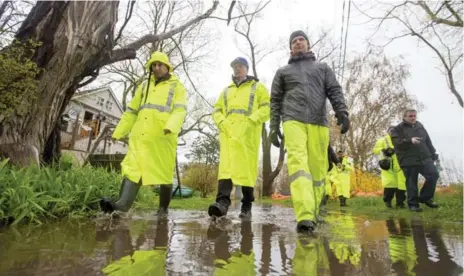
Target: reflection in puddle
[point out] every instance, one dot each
(189, 243)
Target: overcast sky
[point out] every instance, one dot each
(442, 117)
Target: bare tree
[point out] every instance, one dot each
(436, 24)
(12, 13)
(376, 97)
(77, 39)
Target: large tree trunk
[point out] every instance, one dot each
(269, 175)
(75, 37)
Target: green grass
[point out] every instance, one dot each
(35, 195)
(451, 207)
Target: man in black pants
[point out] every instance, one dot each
(416, 155)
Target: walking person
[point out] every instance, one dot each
(298, 98)
(239, 114)
(331, 175)
(345, 167)
(393, 180)
(153, 120)
(416, 155)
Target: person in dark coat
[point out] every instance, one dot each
(416, 155)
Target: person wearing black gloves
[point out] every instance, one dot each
(393, 180)
(416, 155)
(298, 96)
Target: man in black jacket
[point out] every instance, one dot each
(416, 155)
(298, 97)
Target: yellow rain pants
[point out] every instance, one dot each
(307, 166)
(239, 114)
(152, 154)
(401, 246)
(394, 177)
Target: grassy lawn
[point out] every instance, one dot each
(450, 201)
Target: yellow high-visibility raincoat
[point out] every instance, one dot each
(310, 258)
(394, 177)
(239, 114)
(344, 177)
(239, 264)
(344, 242)
(152, 154)
(331, 179)
(144, 262)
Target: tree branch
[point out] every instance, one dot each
(130, 8)
(129, 51)
(434, 16)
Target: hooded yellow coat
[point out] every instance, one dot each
(154, 108)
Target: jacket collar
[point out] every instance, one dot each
(247, 79)
(304, 56)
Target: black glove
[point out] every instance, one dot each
(434, 157)
(276, 137)
(342, 119)
(388, 152)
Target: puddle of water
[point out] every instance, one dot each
(188, 243)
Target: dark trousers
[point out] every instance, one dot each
(389, 193)
(225, 188)
(430, 173)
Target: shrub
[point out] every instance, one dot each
(201, 178)
(33, 194)
(365, 181)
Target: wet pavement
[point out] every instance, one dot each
(188, 243)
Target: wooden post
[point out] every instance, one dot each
(74, 132)
(104, 145)
(90, 140)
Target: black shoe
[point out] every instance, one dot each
(245, 212)
(430, 204)
(217, 210)
(323, 211)
(245, 215)
(305, 226)
(388, 204)
(400, 205)
(415, 209)
(343, 202)
(107, 205)
(165, 199)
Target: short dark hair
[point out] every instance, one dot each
(409, 110)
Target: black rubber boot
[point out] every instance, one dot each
(340, 198)
(248, 198)
(220, 207)
(305, 226)
(127, 195)
(165, 199)
(343, 202)
(388, 204)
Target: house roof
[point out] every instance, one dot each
(98, 91)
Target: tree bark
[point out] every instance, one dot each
(73, 35)
(77, 39)
(270, 175)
